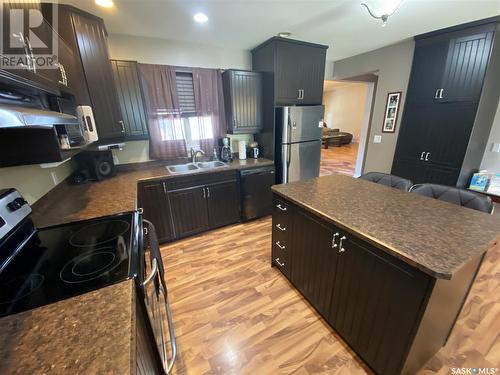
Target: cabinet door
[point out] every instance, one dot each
(375, 304)
(313, 260)
(152, 197)
(427, 70)
(466, 64)
(189, 211)
(245, 112)
(130, 98)
(93, 49)
(223, 203)
(312, 76)
(416, 171)
(287, 73)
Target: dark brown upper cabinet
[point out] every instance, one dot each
(298, 67)
(450, 104)
(86, 35)
(243, 101)
(131, 98)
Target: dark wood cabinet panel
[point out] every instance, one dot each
(444, 127)
(93, 49)
(152, 198)
(131, 98)
(189, 211)
(243, 101)
(375, 304)
(298, 68)
(223, 203)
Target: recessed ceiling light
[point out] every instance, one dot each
(284, 34)
(200, 17)
(105, 3)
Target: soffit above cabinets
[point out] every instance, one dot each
(342, 24)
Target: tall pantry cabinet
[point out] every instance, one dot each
(452, 96)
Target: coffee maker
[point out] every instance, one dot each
(225, 149)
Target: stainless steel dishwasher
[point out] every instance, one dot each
(256, 196)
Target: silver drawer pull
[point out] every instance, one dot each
(281, 207)
(282, 247)
(341, 244)
(334, 245)
(277, 260)
(280, 227)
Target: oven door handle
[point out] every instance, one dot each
(169, 363)
(152, 274)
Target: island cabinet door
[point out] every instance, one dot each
(376, 303)
(314, 260)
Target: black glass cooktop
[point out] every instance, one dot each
(63, 261)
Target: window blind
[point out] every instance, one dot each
(185, 92)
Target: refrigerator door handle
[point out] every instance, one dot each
(286, 149)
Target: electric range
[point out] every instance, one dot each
(39, 266)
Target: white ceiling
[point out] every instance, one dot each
(243, 24)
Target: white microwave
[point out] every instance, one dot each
(87, 123)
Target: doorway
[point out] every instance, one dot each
(348, 106)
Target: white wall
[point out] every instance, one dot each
(491, 160)
(32, 181)
(168, 52)
(345, 107)
(392, 64)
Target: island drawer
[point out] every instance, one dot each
(280, 259)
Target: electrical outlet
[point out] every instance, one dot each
(377, 139)
(495, 147)
(55, 180)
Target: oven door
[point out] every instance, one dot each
(156, 298)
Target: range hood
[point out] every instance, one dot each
(17, 116)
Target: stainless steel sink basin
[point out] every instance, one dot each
(182, 168)
(211, 164)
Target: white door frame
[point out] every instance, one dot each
(365, 130)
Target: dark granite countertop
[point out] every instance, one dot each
(67, 202)
(434, 236)
(93, 333)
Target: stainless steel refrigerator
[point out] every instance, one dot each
(298, 142)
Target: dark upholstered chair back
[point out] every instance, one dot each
(388, 180)
(454, 195)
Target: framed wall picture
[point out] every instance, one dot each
(391, 112)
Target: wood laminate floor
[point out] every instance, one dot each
(234, 314)
(339, 159)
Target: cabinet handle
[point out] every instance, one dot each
(122, 125)
(422, 155)
(204, 194)
(277, 260)
(436, 95)
(280, 227)
(281, 207)
(298, 94)
(334, 245)
(441, 93)
(427, 156)
(341, 244)
(164, 188)
(282, 247)
(208, 192)
(302, 97)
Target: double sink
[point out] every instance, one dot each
(195, 167)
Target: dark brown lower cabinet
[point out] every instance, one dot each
(223, 201)
(189, 211)
(394, 316)
(153, 200)
(185, 205)
(147, 359)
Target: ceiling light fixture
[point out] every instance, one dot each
(382, 11)
(105, 3)
(284, 34)
(200, 17)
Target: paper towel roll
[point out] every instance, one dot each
(242, 150)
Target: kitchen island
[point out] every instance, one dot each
(388, 270)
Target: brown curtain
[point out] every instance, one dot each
(166, 133)
(209, 99)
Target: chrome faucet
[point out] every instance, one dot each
(194, 154)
